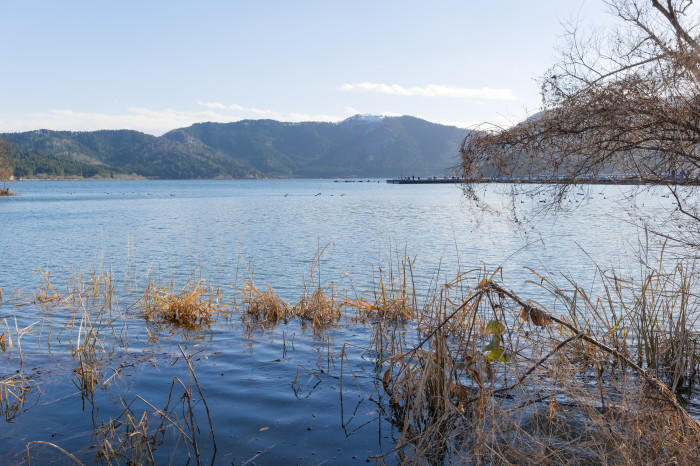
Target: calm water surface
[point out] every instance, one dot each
(266, 403)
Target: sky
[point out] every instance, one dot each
(154, 65)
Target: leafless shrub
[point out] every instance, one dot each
(625, 103)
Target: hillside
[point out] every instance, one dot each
(359, 146)
(24, 162)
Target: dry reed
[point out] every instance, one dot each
(192, 308)
(264, 308)
(490, 377)
(499, 379)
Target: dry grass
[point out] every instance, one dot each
(497, 378)
(394, 298)
(264, 308)
(47, 294)
(94, 326)
(473, 373)
(318, 305)
(193, 307)
(87, 351)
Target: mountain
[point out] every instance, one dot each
(25, 162)
(360, 146)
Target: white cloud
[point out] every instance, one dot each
(217, 105)
(431, 90)
(148, 120)
(137, 118)
(160, 121)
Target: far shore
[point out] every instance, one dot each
(116, 177)
(408, 180)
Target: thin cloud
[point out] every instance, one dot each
(217, 105)
(156, 122)
(160, 121)
(142, 119)
(431, 90)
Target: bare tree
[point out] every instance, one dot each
(625, 102)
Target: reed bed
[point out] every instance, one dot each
(469, 372)
(498, 378)
(394, 298)
(263, 308)
(193, 307)
(319, 305)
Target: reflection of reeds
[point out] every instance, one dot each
(13, 390)
(134, 438)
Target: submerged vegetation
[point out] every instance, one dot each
(467, 370)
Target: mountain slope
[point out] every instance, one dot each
(358, 146)
(26, 162)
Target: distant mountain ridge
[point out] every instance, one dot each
(360, 146)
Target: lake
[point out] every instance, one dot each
(273, 393)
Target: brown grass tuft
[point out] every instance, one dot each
(263, 308)
(191, 308)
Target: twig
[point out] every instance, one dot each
(658, 384)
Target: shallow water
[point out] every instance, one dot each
(267, 404)
(179, 227)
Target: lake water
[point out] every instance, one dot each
(268, 401)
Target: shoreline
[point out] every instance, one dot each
(400, 181)
(592, 181)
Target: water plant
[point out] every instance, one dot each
(467, 370)
(478, 393)
(192, 307)
(264, 308)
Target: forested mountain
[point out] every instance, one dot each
(24, 162)
(360, 146)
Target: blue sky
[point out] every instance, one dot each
(157, 65)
